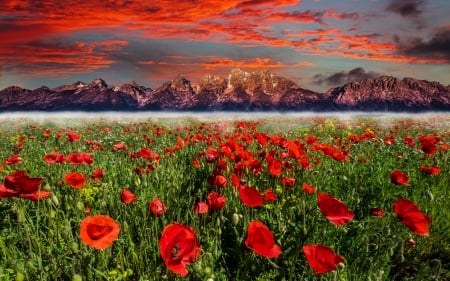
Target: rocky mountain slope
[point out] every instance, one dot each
(390, 93)
(239, 91)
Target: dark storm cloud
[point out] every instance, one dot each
(406, 8)
(437, 47)
(344, 77)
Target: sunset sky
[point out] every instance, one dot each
(316, 43)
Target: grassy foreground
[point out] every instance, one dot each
(288, 161)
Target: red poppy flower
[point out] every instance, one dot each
(428, 144)
(412, 217)
(35, 196)
(429, 139)
(261, 138)
(389, 140)
(235, 180)
(270, 196)
(310, 139)
(399, 178)
(157, 207)
(377, 212)
(295, 149)
(354, 138)
(178, 247)
(275, 167)
(80, 158)
(147, 154)
(53, 158)
(119, 146)
(288, 181)
(220, 181)
(99, 231)
(14, 159)
(73, 137)
(127, 196)
(260, 240)
(75, 179)
(333, 209)
(216, 201)
(308, 189)
(97, 174)
(429, 148)
(431, 170)
(250, 196)
(201, 208)
(7, 192)
(196, 162)
(321, 258)
(409, 141)
(20, 184)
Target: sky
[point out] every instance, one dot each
(318, 44)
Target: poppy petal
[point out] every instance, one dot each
(411, 216)
(334, 210)
(321, 258)
(250, 196)
(260, 240)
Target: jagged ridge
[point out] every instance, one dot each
(241, 90)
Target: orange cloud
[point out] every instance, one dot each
(251, 63)
(57, 59)
(27, 27)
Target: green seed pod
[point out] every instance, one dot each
(20, 216)
(208, 271)
(47, 187)
(77, 277)
(74, 247)
(235, 219)
(80, 205)
(52, 214)
(55, 200)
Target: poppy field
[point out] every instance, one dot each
(286, 198)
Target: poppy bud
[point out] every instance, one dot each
(201, 208)
(376, 212)
(52, 214)
(80, 205)
(55, 200)
(208, 271)
(157, 207)
(210, 158)
(75, 247)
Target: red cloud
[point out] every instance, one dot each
(26, 27)
(57, 59)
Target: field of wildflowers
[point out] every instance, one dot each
(307, 198)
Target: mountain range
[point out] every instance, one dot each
(240, 91)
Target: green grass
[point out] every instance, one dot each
(41, 240)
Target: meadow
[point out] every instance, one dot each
(278, 197)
